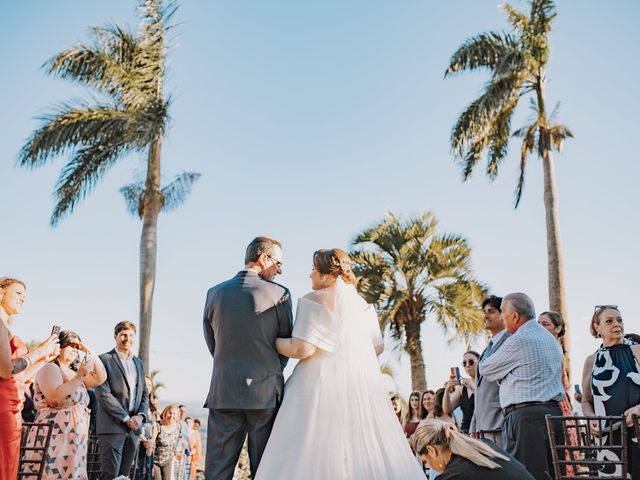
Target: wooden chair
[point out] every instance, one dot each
(592, 456)
(34, 444)
(93, 458)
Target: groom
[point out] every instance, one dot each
(242, 319)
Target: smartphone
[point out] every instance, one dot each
(55, 330)
(457, 373)
(453, 372)
(577, 388)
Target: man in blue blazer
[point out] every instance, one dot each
(123, 402)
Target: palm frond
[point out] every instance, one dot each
(498, 140)
(81, 174)
(558, 134)
(72, 124)
(133, 195)
(518, 20)
(529, 141)
(156, 18)
(482, 51)
(177, 191)
(106, 66)
(480, 127)
(542, 14)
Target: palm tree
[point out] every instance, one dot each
(518, 64)
(413, 273)
(154, 381)
(130, 115)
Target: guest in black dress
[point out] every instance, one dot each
(461, 393)
(457, 456)
(611, 383)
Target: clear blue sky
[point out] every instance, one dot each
(308, 121)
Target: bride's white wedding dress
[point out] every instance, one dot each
(336, 421)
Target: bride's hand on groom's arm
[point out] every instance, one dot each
(294, 348)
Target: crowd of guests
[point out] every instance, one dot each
(81, 394)
(490, 421)
(487, 423)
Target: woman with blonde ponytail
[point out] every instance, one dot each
(455, 455)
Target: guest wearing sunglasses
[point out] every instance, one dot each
(611, 380)
(460, 393)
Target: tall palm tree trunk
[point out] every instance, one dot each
(557, 294)
(555, 261)
(414, 349)
(152, 203)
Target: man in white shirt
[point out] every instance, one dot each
(123, 401)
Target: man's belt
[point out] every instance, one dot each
(514, 406)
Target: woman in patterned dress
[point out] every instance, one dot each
(17, 368)
(61, 398)
(611, 384)
(166, 442)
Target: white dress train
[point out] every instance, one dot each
(336, 421)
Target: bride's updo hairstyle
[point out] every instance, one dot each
(334, 262)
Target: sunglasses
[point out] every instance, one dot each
(604, 307)
(469, 362)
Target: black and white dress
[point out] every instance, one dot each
(615, 383)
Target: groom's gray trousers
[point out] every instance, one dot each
(226, 431)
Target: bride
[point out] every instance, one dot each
(336, 421)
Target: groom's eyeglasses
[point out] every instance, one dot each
(277, 262)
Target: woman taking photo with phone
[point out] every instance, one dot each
(61, 398)
(460, 392)
(17, 368)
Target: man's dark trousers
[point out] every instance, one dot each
(226, 431)
(524, 435)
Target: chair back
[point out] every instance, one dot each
(600, 452)
(93, 458)
(34, 444)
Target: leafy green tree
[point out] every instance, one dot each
(412, 273)
(517, 61)
(130, 114)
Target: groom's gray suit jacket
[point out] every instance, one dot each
(242, 319)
